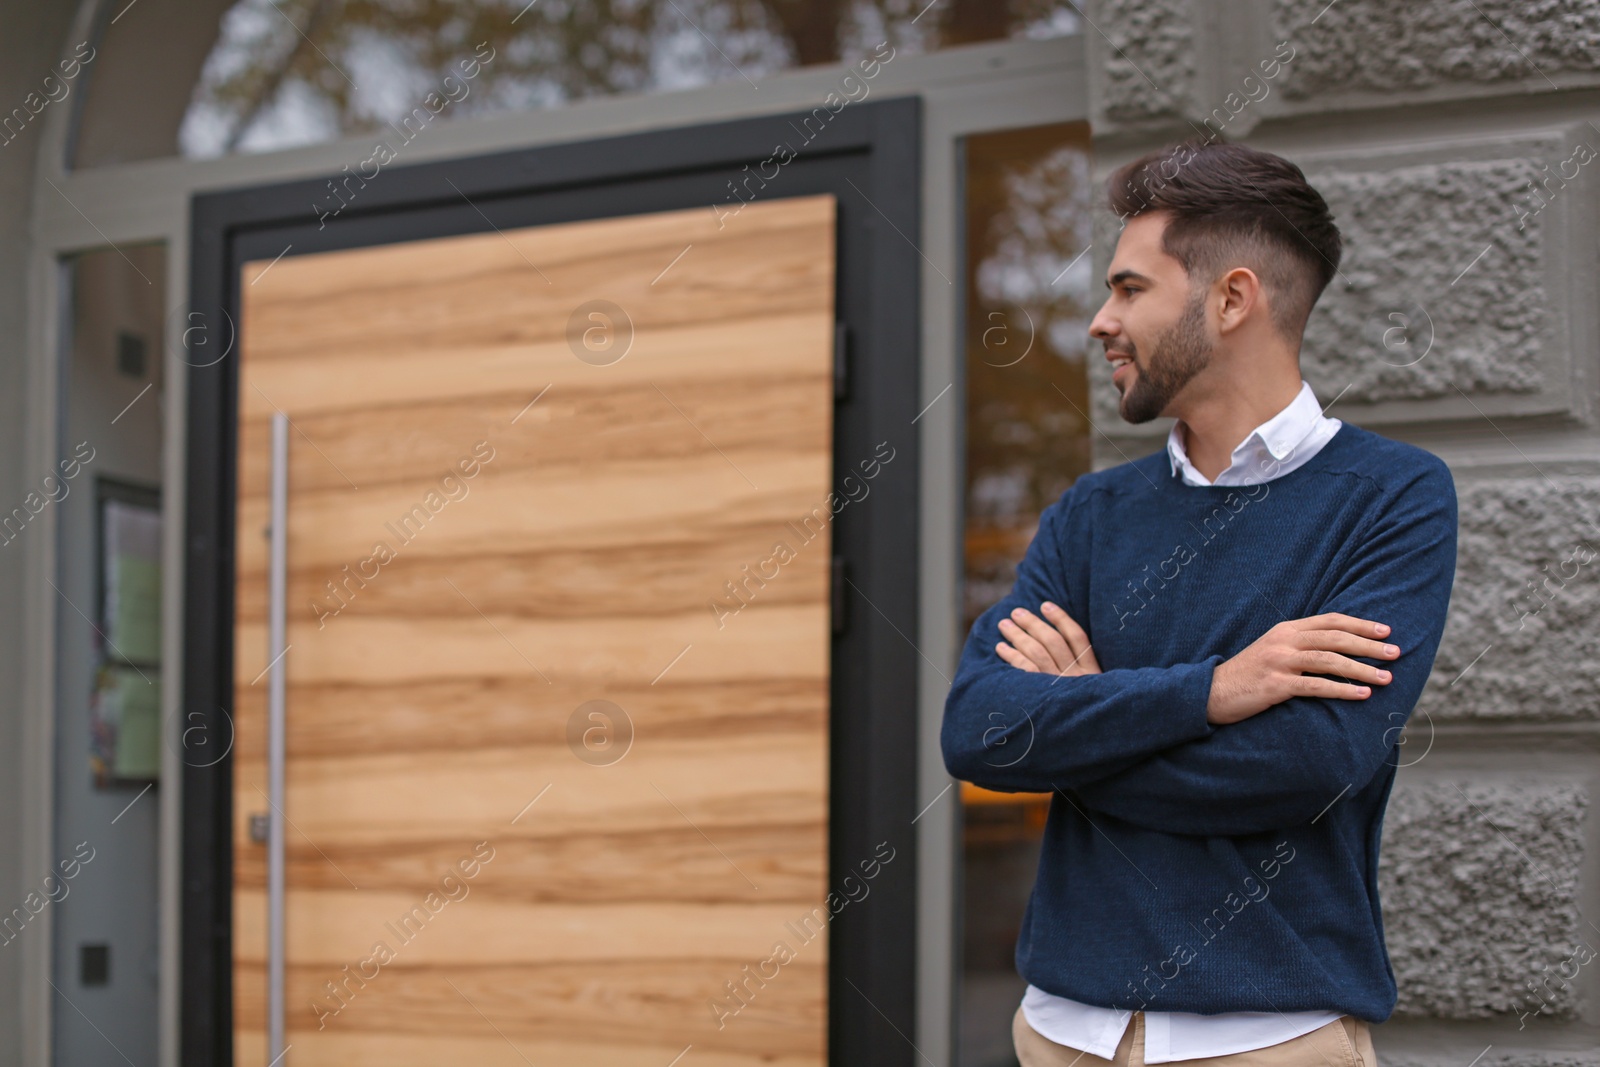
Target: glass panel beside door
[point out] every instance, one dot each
(1028, 285)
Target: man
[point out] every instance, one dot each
(1208, 656)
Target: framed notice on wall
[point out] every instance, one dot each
(125, 702)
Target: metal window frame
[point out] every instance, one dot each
(965, 90)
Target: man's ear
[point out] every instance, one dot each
(1238, 294)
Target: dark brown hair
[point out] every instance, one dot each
(1229, 206)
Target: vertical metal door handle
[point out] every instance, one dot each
(277, 582)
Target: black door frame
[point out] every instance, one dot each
(868, 156)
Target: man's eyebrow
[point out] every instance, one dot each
(1126, 275)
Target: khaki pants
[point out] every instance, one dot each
(1345, 1042)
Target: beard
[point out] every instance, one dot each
(1180, 353)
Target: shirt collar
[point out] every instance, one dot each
(1278, 435)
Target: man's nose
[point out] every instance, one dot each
(1102, 326)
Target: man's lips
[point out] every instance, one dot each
(1118, 366)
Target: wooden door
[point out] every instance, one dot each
(552, 791)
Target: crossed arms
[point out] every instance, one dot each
(1225, 746)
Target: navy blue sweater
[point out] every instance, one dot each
(1186, 866)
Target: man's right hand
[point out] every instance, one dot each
(1280, 663)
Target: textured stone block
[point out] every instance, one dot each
(1142, 58)
(1523, 637)
(1439, 288)
(1500, 1056)
(1479, 883)
(1381, 47)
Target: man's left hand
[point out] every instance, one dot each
(1058, 646)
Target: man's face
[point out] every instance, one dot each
(1153, 329)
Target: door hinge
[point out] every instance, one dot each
(841, 361)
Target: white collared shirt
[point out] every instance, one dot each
(1273, 449)
(1169, 1036)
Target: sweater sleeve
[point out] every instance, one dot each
(1290, 763)
(1012, 730)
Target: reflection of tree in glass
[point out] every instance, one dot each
(1037, 236)
(1028, 291)
(286, 72)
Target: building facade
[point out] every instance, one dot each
(914, 266)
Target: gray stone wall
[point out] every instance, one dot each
(1458, 143)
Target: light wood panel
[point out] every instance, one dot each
(429, 697)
